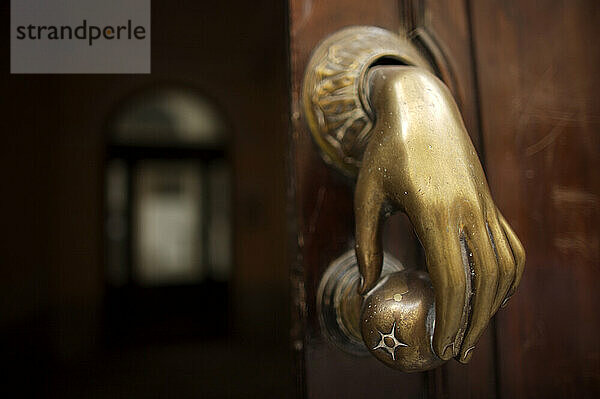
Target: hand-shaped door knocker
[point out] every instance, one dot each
(378, 113)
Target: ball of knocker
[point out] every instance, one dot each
(397, 321)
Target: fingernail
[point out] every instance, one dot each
(444, 354)
(505, 301)
(466, 358)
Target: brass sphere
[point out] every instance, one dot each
(397, 321)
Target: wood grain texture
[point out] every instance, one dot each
(538, 69)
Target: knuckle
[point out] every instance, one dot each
(457, 279)
(506, 270)
(478, 325)
(505, 281)
(503, 248)
(520, 255)
(454, 285)
(489, 280)
(455, 291)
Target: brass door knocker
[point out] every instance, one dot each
(380, 115)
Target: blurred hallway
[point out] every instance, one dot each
(66, 330)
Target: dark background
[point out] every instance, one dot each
(53, 154)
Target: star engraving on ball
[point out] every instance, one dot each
(391, 349)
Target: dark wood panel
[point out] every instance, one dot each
(538, 69)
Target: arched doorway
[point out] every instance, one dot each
(167, 217)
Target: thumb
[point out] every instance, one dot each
(368, 204)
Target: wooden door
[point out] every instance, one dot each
(524, 76)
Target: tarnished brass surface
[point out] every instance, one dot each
(393, 321)
(335, 106)
(397, 321)
(418, 159)
(339, 303)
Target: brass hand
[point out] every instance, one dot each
(420, 160)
